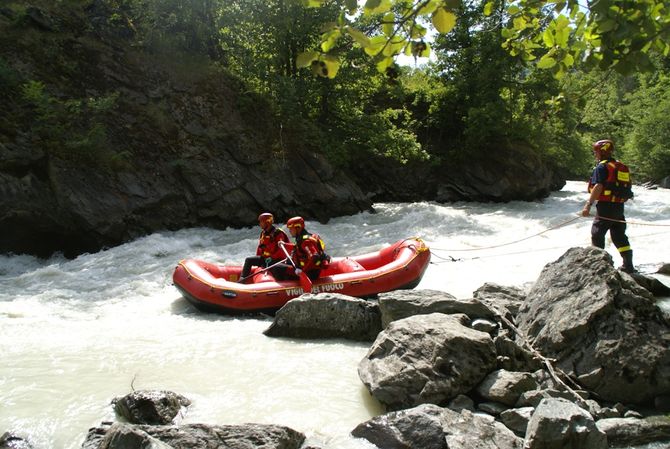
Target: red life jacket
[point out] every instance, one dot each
(310, 252)
(268, 243)
(617, 186)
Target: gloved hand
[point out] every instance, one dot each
(268, 261)
(298, 271)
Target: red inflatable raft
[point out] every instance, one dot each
(213, 288)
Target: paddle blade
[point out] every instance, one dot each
(305, 282)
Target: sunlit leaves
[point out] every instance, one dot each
(376, 6)
(358, 36)
(393, 27)
(443, 20)
(305, 59)
(614, 34)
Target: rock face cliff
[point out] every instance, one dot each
(102, 142)
(179, 144)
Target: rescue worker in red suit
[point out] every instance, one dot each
(308, 254)
(268, 252)
(609, 208)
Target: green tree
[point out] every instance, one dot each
(556, 34)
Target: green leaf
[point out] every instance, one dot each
(332, 66)
(304, 59)
(359, 37)
(329, 40)
(376, 6)
(375, 46)
(568, 60)
(548, 38)
(388, 24)
(395, 46)
(444, 21)
(428, 8)
(546, 62)
(488, 9)
(312, 3)
(384, 64)
(418, 31)
(351, 5)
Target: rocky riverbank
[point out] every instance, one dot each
(581, 360)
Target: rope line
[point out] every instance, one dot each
(560, 225)
(478, 248)
(638, 223)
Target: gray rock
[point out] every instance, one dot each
(150, 406)
(653, 285)
(193, 436)
(400, 304)
(600, 326)
(516, 419)
(461, 402)
(124, 436)
(9, 440)
(506, 386)
(426, 359)
(418, 427)
(327, 315)
(634, 431)
(430, 427)
(505, 300)
(533, 398)
(513, 357)
(561, 424)
(492, 408)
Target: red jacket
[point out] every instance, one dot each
(308, 253)
(268, 243)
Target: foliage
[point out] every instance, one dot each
(648, 111)
(73, 128)
(618, 34)
(631, 110)
(556, 34)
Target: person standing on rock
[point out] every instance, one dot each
(268, 252)
(309, 252)
(610, 188)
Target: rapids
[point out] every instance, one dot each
(76, 333)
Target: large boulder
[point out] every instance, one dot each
(600, 326)
(426, 359)
(404, 303)
(327, 315)
(192, 436)
(431, 427)
(561, 424)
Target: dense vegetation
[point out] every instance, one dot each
(471, 98)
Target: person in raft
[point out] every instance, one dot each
(610, 185)
(268, 252)
(309, 252)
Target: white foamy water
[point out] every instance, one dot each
(76, 333)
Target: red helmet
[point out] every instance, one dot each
(296, 222)
(265, 219)
(604, 146)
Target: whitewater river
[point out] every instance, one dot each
(76, 333)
